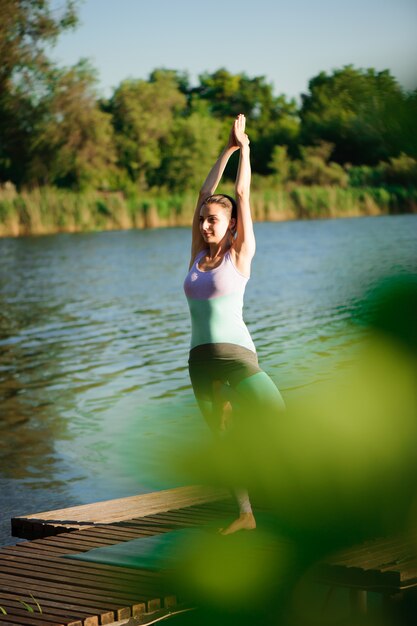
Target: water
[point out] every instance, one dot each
(94, 335)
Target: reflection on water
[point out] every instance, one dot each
(94, 334)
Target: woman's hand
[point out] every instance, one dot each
(232, 144)
(241, 137)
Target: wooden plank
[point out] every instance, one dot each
(103, 579)
(55, 612)
(38, 588)
(372, 544)
(183, 517)
(88, 593)
(22, 620)
(136, 589)
(31, 556)
(59, 548)
(80, 567)
(120, 509)
(137, 595)
(388, 562)
(23, 617)
(99, 570)
(371, 553)
(4, 623)
(120, 535)
(134, 607)
(387, 567)
(356, 577)
(107, 612)
(74, 542)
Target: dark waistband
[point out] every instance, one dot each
(222, 351)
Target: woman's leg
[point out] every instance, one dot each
(253, 395)
(258, 392)
(220, 412)
(216, 410)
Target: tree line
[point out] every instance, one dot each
(353, 127)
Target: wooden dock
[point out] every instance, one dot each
(78, 593)
(113, 511)
(386, 565)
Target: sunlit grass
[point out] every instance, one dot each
(49, 210)
(27, 606)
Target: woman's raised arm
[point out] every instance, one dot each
(244, 244)
(208, 188)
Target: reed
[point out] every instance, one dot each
(50, 210)
(26, 605)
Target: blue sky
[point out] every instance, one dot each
(288, 42)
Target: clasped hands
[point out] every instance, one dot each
(238, 138)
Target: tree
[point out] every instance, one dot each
(315, 168)
(271, 120)
(72, 141)
(181, 79)
(356, 111)
(280, 164)
(190, 151)
(142, 113)
(26, 29)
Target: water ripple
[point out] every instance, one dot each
(94, 336)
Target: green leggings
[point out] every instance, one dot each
(233, 392)
(255, 397)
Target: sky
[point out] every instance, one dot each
(287, 41)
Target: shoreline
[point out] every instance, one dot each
(48, 211)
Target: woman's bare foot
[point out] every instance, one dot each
(245, 521)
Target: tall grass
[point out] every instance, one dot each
(50, 210)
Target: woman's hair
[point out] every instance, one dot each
(226, 202)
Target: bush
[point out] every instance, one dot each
(399, 171)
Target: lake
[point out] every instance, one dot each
(94, 335)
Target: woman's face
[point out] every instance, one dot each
(214, 223)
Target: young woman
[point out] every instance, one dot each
(223, 364)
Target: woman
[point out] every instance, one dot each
(223, 363)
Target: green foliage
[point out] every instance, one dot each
(364, 176)
(311, 202)
(189, 152)
(181, 79)
(314, 167)
(50, 210)
(72, 142)
(142, 114)
(37, 603)
(26, 29)
(161, 135)
(27, 606)
(280, 164)
(361, 112)
(397, 171)
(272, 120)
(7, 197)
(400, 171)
